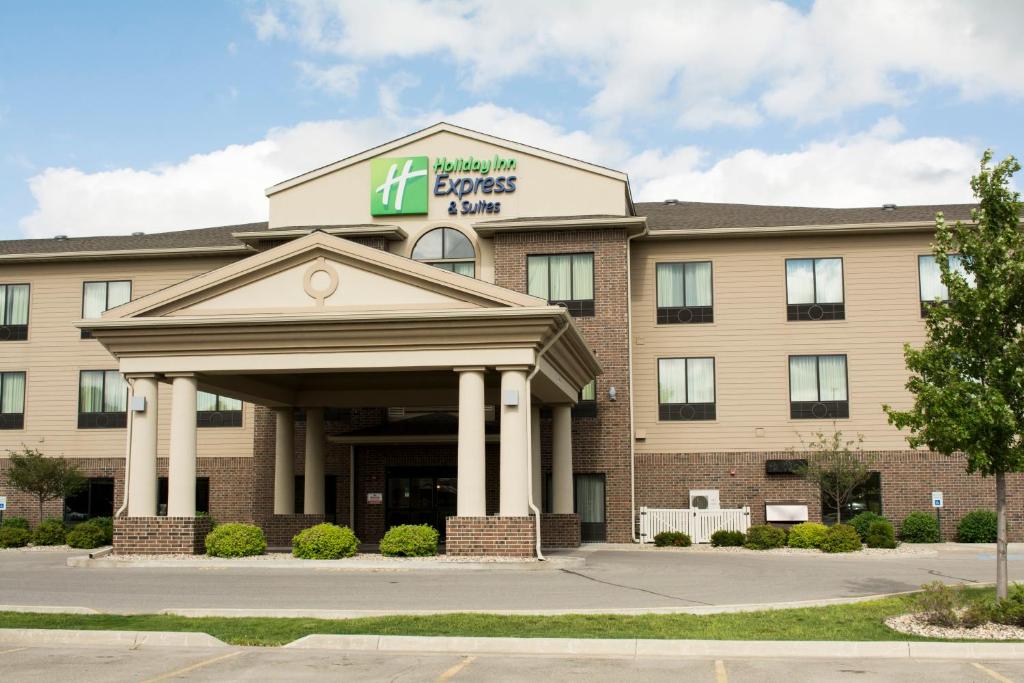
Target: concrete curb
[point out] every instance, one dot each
(552, 564)
(132, 639)
(48, 609)
(664, 648)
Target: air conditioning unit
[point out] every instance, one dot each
(704, 499)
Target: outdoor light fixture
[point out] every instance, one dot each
(612, 393)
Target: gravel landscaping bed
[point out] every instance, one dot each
(43, 549)
(369, 558)
(902, 550)
(913, 624)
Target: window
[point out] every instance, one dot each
(98, 297)
(448, 249)
(866, 497)
(563, 279)
(684, 293)
(102, 399)
(589, 495)
(12, 400)
(814, 289)
(932, 287)
(14, 312)
(587, 406)
(213, 410)
(817, 387)
(686, 388)
(95, 499)
(202, 496)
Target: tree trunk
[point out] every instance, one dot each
(40, 509)
(1001, 588)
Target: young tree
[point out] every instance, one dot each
(836, 465)
(45, 478)
(968, 379)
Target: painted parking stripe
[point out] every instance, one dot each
(994, 674)
(188, 669)
(452, 672)
(720, 675)
(17, 649)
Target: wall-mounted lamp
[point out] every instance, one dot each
(612, 393)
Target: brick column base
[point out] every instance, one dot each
(560, 531)
(280, 529)
(161, 535)
(494, 536)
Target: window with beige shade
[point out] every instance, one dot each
(14, 312)
(12, 400)
(932, 288)
(814, 289)
(818, 387)
(98, 297)
(684, 293)
(214, 410)
(563, 279)
(686, 389)
(102, 399)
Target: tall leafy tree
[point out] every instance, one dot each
(45, 478)
(968, 379)
(836, 465)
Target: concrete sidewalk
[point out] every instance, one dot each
(360, 563)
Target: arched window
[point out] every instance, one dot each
(448, 249)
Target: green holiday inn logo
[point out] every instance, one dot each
(398, 186)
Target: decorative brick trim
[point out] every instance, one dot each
(559, 530)
(495, 536)
(161, 535)
(280, 529)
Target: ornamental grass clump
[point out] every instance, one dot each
(764, 537)
(410, 540)
(676, 539)
(920, 527)
(978, 526)
(235, 540)
(841, 538)
(325, 542)
(807, 535)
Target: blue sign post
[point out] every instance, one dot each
(3, 506)
(937, 503)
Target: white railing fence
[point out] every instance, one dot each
(697, 524)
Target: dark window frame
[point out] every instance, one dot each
(17, 332)
(445, 260)
(87, 334)
(219, 418)
(202, 495)
(586, 407)
(13, 420)
(578, 308)
(100, 419)
(88, 493)
(868, 492)
(686, 411)
(816, 311)
(808, 410)
(684, 315)
(927, 304)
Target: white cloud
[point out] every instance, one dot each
(268, 26)
(340, 79)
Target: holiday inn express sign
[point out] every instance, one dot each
(400, 186)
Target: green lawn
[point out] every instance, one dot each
(861, 621)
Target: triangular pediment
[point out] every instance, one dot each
(321, 274)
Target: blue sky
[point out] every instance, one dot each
(119, 116)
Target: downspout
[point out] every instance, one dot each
(128, 446)
(529, 436)
(629, 347)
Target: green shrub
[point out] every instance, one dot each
(235, 540)
(939, 604)
(409, 540)
(1009, 611)
(978, 526)
(862, 521)
(920, 527)
(107, 525)
(764, 537)
(14, 537)
(50, 532)
(841, 538)
(675, 539)
(324, 542)
(86, 535)
(727, 539)
(881, 535)
(807, 535)
(15, 523)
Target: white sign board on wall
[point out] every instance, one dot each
(937, 500)
(785, 513)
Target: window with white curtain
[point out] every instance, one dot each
(814, 289)
(932, 287)
(818, 387)
(98, 297)
(12, 400)
(684, 293)
(214, 410)
(102, 399)
(686, 389)
(564, 279)
(587, 405)
(447, 249)
(14, 312)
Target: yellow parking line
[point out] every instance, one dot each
(450, 673)
(17, 649)
(187, 669)
(994, 674)
(720, 675)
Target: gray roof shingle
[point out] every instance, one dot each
(177, 239)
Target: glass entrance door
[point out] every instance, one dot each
(422, 495)
(589, 490)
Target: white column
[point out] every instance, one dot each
(561, 462)
(314, 475)
(515, 449)
(471, 500)
(181, 468)
(537, 478)
(142, 492)
(284, 462)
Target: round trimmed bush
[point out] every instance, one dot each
(727, 539)
(676, 539)
(50, 532)
(86, 535)
(764, 537)
(14, 537)
(920, 527)
(881, 535)
(235, 540)
(324, 542)
(15, 523)
(863, 520)
(107, 525)
(978, 526)
(807, 535)
(841, 538)
(410, 540)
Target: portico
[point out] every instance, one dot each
(321, 322)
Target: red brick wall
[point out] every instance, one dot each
(280, 529)
(160, 535)
(494, 536)
(559, 531)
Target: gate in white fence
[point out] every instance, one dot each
(697, 524)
